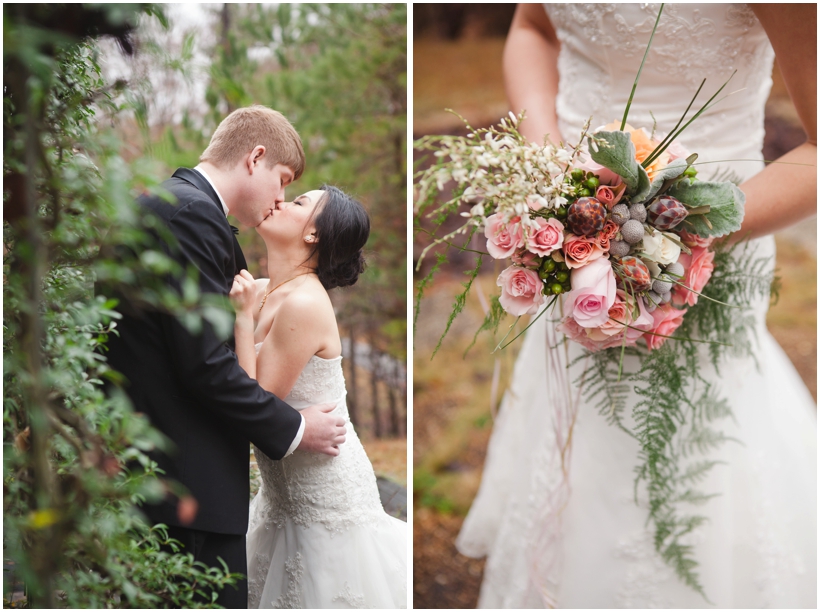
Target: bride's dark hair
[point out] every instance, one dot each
(342, 228)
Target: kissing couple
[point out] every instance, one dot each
(317, 535)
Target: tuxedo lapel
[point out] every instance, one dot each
(200, 182)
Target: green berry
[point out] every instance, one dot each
(561, 265)
(584, 193)
(593, 183)
(557, 289)
(562, 276)
(548, 265)
(561, 213)
(577, 175)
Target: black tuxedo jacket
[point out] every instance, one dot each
(191, 386)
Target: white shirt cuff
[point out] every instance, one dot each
(298, 439)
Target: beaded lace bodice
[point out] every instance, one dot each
(309, 488)
(601, 50)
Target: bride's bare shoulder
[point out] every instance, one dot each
(309, 304)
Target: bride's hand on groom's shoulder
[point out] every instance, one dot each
(324, 431)
(243, 294)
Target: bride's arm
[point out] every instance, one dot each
(299, 330)
(781, 194)
(531, 71)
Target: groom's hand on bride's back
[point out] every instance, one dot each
(324, 432)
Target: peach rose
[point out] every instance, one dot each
(579, 251)
(603, 237)
(666, 320)
(578, 334)
(592, 294)
(547, 238)
(521, 291)
(698, 270)
(693, 240)
(610, 196)
(503, 240)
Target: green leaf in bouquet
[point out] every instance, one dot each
(726, 207)
(672, 171)
(618, 155)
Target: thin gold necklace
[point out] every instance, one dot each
(265, 297)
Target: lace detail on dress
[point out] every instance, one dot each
(256, 582)
(602, 46)
(292, 598)
(347, 596)
(320, 380)
(309, 488)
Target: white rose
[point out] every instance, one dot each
(661, 249)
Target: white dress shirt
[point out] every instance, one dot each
(301, 431)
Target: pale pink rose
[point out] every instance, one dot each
(503, 239)
(625, 315)
(578, 334)
(603, 237)
(677, 151)
(521, 291)
(526, 259)
(698, 268)
(666, 320)
(579, 251)
(693, 240)
(610, 196)
(547, 238)
(605, 175)
(592, 294)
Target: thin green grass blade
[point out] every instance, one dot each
(638, 76)
(677, 125)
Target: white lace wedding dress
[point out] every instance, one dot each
(758, 547)
(318, 536)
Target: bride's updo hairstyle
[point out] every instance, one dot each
(342, 228)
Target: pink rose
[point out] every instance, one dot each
(677, 151)
(547, 238)
(503, 240)
(579, 251)
(666, 320)
(526, 259)
(605, 175)
(698, 270)
(610, 196)
(592, 295)
(624, 315)
(520, 291)
(578, 334)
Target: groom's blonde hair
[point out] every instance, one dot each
(248, 127)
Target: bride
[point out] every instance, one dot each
(564, 64)
(318, 536)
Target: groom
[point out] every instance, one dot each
(191, 386)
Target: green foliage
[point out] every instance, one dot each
(615, 151)
(676, 418)
(725, 201)
(75, 464)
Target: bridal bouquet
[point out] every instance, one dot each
(618, 228)
(614, 238)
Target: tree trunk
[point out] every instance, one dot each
(374, 384)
